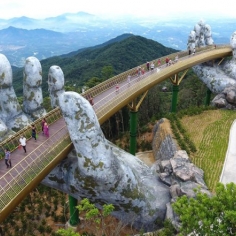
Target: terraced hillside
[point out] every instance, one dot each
(210, 133)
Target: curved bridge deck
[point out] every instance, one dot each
(29, 169)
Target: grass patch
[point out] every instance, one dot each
(210, 133)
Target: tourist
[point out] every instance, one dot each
(22, 141)
(142, 71)
(7, 158)
(152, 66)
(43, 122)
(91, 100)
(46, 129)
(189, 52)
(159, 62)
(147, 66)
(128, 79)
(176, 58)
(33, 129)
(167, 61)
(117, 87)
(139, 71)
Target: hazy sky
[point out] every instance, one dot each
(46, 8)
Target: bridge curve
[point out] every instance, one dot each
(107, 102)
(106, 108)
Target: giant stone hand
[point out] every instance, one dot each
(200, 36)
(10, 110)
(220, 79)
(32, 90)
(100, 171)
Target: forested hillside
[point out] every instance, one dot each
(120, 54)
(91, 66)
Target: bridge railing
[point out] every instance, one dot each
(126, 91)
(12, 142)
(17, 178)
(95, 91)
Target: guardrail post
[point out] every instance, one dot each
(133, 131)
(208, 97)
(175, 90)
(74, 212)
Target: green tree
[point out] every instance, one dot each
(208, 215)
(93, 82)
(92, 213)
(107, 72)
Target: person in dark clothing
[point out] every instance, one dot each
(42, 124)
(34, 132)
(7, 158)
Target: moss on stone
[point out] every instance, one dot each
(2, 76)
(89, 163)
(133, 193)
(152, 212)
(89, 126)
(78, 115)
(31, 97)
(73, 189)
(128, 207)
(57, 180)
(89, 183)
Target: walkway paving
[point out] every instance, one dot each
(228, 173)
(31, 146)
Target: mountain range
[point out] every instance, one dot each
(122, 53)
(22, 37)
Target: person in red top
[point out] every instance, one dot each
(91, 100)
(117, 87)
(167, 61)
(142, 71)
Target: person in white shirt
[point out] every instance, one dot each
(152, 66)
(22, 141)
(128, 79)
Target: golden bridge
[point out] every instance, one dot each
(29, 169)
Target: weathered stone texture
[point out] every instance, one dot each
(200, 36)
(99, 170)
(175, 169)
(221, 79)
(163, 145)
(32, 90)
(10, 110)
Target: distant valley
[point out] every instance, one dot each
(23, 37)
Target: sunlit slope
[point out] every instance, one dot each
(210, 133)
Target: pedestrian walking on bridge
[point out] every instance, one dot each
(7, 158)
(22, 141)
(128, 79)
(46, 129)
(33, 132)
(42, 124)
(117, 87)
